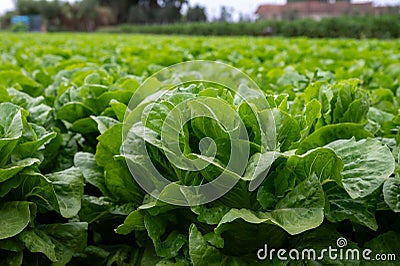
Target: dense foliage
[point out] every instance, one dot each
(66, 195)
(86, 15)
(384, 27)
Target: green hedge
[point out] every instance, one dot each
(347, 26)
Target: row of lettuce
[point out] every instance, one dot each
(349, 26)
(67, 196)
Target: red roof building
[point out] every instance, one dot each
(316, 9)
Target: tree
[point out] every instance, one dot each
(145, 11)
(226, 14)
(169, 11)
(28, 7)
(137, 14)
(5, 20)
(178, 4)
(50, 10)
(69, 19)
(120, 8)
(104, 16)
(87, 11)
(244, 17)
(196, 14)
(168, 14)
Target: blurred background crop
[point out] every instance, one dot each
(310, 18)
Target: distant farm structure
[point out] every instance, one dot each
(318, 9)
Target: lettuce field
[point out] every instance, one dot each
(78, 128)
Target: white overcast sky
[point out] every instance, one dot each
(213, 7)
